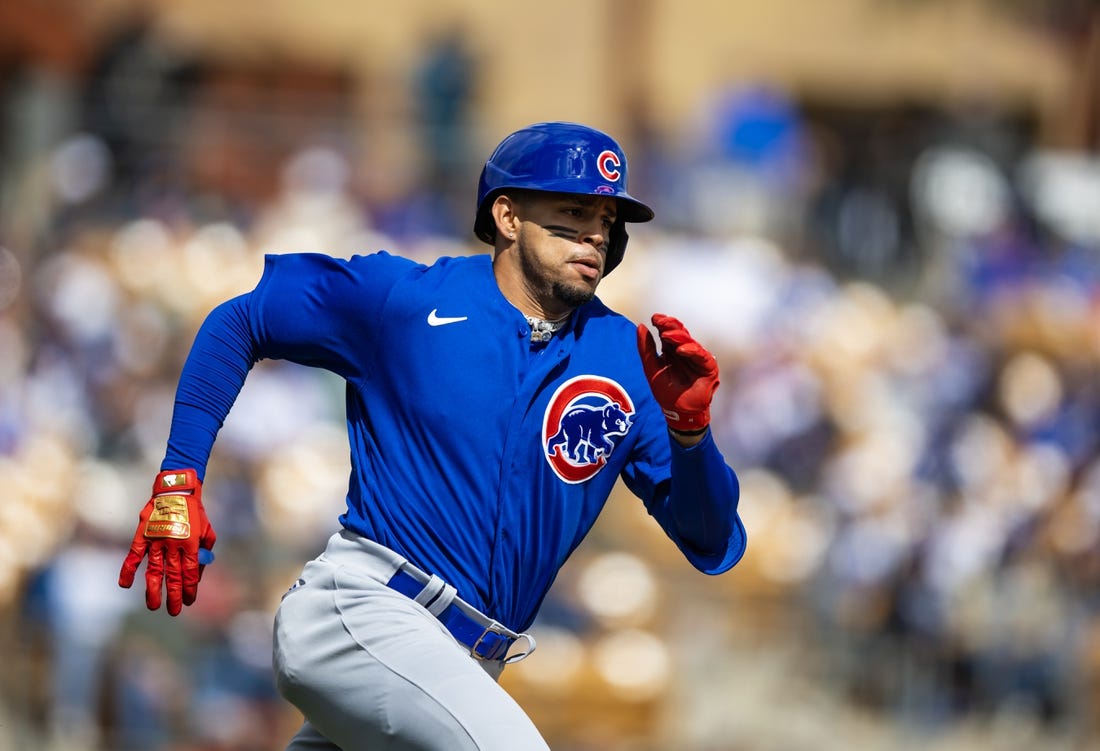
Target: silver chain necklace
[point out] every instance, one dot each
(542, 330)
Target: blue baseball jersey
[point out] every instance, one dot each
(476, 454)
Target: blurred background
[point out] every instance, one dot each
(882, 215)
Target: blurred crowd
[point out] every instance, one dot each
(905, 307)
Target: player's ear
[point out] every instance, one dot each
(506, 217)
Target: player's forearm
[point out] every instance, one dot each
(221, 356)
(703, 497)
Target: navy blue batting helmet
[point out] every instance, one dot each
(560, 157)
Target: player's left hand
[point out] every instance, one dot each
(175, 534)
(683, 376)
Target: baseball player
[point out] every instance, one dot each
(492, 403)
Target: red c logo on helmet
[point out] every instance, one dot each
(609, 164)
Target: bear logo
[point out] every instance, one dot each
(585, 420)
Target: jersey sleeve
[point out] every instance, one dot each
(317, 310)
(309, 308)
(215, 370)
(695, 503)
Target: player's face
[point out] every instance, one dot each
(562, 245)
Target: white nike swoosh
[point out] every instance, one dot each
(436, 320)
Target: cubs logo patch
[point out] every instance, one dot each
(584, 421)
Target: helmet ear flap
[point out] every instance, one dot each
(485, 227)
(616, 246)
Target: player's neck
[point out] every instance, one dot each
(541, 317)
(528, 300)
(532, 310)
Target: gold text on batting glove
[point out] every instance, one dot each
(169, 518)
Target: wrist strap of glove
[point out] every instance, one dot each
(176, 481)
(689, 433)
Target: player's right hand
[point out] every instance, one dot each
(175, 534)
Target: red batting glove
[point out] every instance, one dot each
(683, 377)
(172, 529)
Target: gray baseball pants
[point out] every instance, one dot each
(372, 670)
